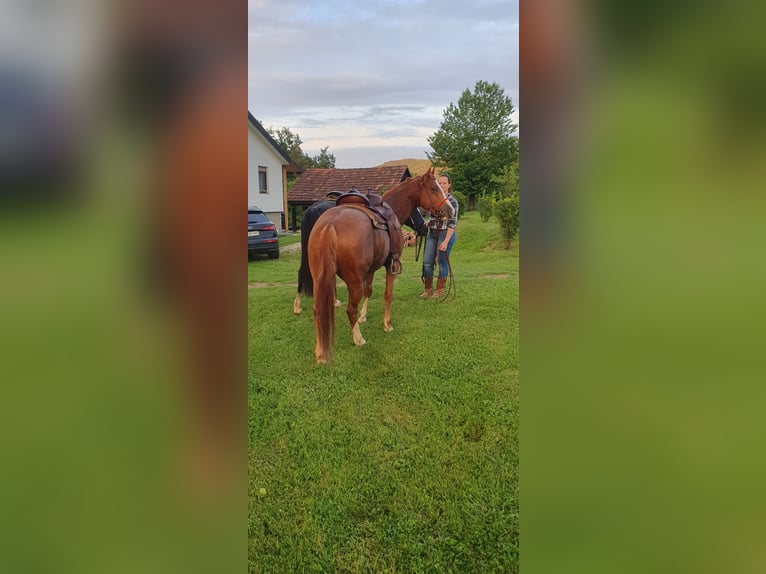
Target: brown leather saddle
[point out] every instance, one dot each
(382, 217)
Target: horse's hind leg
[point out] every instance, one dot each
(297, 309)
(390, 278)
(355, 292)
(297, 303)
(367, 295)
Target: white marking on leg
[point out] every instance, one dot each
(357, 334)
(363, 312)
(297, 304)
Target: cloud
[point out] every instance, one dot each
(370, 156)
(346, 69)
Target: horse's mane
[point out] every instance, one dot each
(422, 177)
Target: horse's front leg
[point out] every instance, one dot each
(390, 278)
(355, 292)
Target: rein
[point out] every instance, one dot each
(451, 289)
(419, 246)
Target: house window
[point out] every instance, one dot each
(263, 179)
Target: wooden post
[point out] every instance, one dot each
(284, 197)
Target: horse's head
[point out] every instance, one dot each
(432, 196)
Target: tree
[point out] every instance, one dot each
(291, 143)
(323, 159)
(507, 182)
(507, 214)
(486, 205)
(506, 207)
(475, 140)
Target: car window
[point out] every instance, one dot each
(257, 217)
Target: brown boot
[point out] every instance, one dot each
(429, 284)
(440, 283)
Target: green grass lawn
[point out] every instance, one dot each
(401, 455)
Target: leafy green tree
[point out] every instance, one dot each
(486, 205)
(291, 143)
(323, 159)
(507, 214)
(507, 183)
(475, 140)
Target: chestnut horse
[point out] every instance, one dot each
(344, 242)
(310, 216)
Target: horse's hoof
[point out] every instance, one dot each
(362, 320)
(360, 342)
(297, 311)
(321, 360)
(338, 303)
(388, 328)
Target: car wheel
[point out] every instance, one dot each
(274, 254)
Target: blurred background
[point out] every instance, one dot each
(642, 178)
(123, 299)
(123, 293)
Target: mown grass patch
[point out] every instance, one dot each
(401, 455)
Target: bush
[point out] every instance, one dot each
(507, 213)
(462, 203)
(486, 205)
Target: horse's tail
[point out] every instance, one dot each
(323, 270)
(310, 216)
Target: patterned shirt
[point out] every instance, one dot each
(439, 221)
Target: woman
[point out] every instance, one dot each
(441, 237)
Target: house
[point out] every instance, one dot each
(267, 167)
(314, 183)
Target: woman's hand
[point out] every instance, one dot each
(443, 246)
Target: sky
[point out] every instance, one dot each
(371, 78)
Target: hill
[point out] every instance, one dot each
(416, 166)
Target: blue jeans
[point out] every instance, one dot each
(430, 251)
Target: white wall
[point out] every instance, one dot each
(261, 153)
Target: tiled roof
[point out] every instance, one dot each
(314, 183)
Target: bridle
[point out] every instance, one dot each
(444, 199)
(442, 202)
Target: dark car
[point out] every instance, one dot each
(262, 235)
(40, 139)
